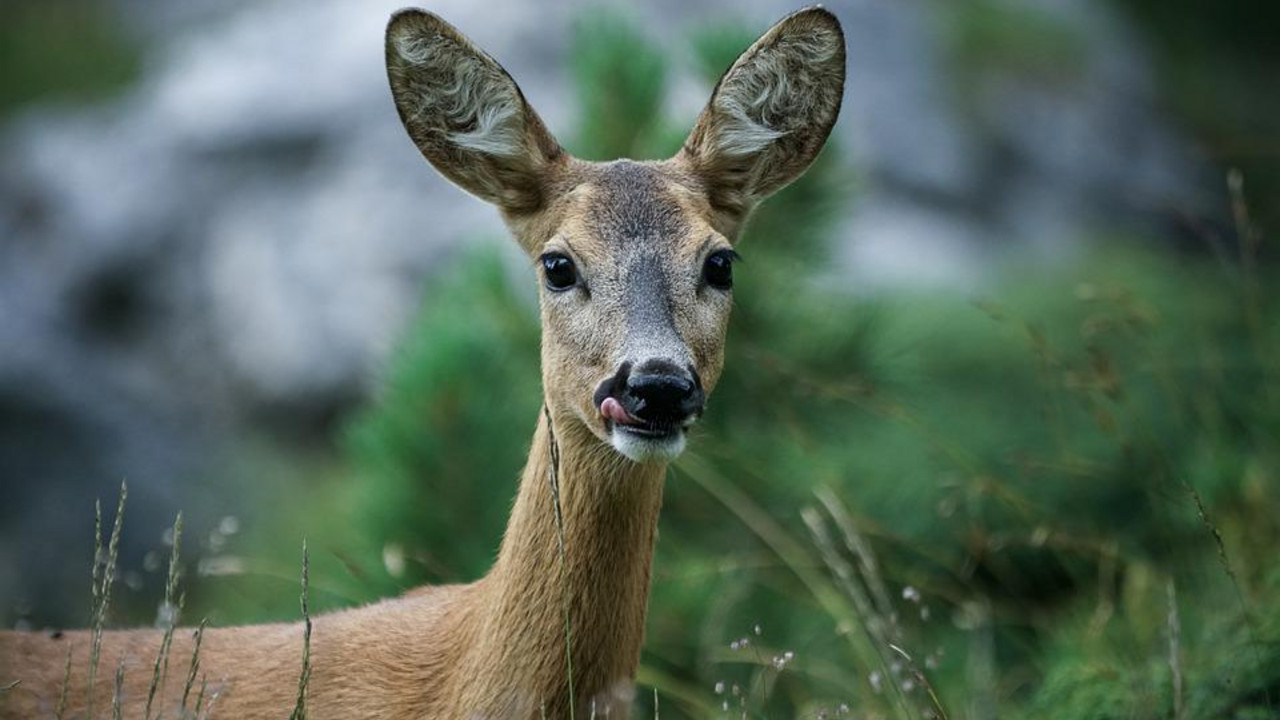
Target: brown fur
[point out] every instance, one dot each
(639, 233)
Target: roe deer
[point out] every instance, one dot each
(635, 263)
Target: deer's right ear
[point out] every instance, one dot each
(466, 114)
(771, 112)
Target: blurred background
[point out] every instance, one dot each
(1019, 418)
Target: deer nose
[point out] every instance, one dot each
(660, 393)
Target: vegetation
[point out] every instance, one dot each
(92, 56)
(1217, 62)
(1058, 500)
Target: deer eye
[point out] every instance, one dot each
(718, 269)
(559, 272)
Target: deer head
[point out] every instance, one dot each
(635, 258)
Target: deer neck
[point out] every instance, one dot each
(595, 562)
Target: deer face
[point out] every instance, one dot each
(635, 259)
(636, 291)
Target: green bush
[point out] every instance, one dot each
(71, 50)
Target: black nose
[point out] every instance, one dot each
(662, 394)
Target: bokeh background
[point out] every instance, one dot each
(1002, 385)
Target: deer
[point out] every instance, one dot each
(635, 268)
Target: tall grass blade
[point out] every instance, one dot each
(304, 677)
(687, 696)
(102, 585)
(193, 670)
(117, 695)
(880, 630)
(939, 712)
(208, 709)
(860, 549)
(204, 685)
(1225, 562)
(61, 708)
(160, 672)
(849, 622)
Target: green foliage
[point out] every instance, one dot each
(1216, 63)
(715, 48)
(1229, 664)
(444, 446)
(621, 80)
(62, 50)
(999, 36)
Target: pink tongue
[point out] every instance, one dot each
(613, 410)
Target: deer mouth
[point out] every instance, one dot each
(642, 440)
(617, 417)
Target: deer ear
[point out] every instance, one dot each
(771, 112)
(466, 114)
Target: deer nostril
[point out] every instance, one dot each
(664, 399)
(613, 386)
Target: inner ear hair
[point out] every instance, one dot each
(465, 113)
(771, 112)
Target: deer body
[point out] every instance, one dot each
(493, 649)
(635, 262)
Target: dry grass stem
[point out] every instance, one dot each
(171, 610)
(878, 630)
(194, 669)
(117, 694)
(304, 677)
(918, 674)
(102, 582)
(66, 683)
(204, 685)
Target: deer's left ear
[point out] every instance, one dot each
(771, 112)
(466, 114)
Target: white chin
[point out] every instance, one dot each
(642, 449)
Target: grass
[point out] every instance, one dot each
(61, 708)
(191, 706)
(171, 610)
(193, 670)
(304, 677)
(104, 575)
